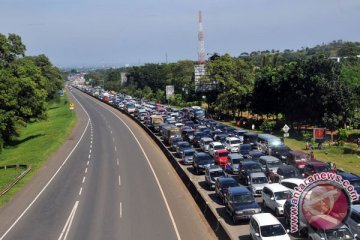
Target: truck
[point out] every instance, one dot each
(155, 122)
(170, 131)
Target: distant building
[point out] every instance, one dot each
(202, 81)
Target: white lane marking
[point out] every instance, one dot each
(91, 146)
(87, 163)
(85, 170)
(120, 209)
(68, 223)
(115, 149)
(52, 178)
(152, 170)
(117, 162)
(89, 155)
(83, 179)
(80, 191)
(91, 142)
(119, 180)
(110, 130)
(90, 150)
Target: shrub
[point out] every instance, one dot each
(268, 126)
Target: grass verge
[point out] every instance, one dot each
(36, 143)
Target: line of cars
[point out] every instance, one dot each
(240, 166)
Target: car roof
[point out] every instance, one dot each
(276, 187)
(264, 219)
(226, 179)
(232, 138)
(202, 154)
(257, 174)
(296, 181)
(287, 167)
(249, 163)
(188, 150)
(235, 155)
(238, 190)
(213, 168)
(348, 175)
(317, 163)
(222, 150)
(269, 158)
(216, 143)
(207, 139)
(298, 153)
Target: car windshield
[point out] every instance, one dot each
(236, 160)
(217, 174)
(274, 164)
(235, 142)
(322, 169)
(300, 158)
(243, 198)
(184, 145)
(245, 147)
(229, 184)
(272, 230)
(217, 147)
(205, 158)
(259, 180)
(282, 195)
(355, 183)
(339, 234)
(207, 142)
(189, 154)
(253, 167)
(292, 173)
(223, 154)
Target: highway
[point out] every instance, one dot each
(109, 181)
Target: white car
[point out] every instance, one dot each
(274, 196)
(265, 226)
(205, 143)
(214, 146)
(291, 183)
(232, 144)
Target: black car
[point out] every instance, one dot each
(281, 152)
(247, 167)
(197, 137)
(255, 155)
(240, 204)
(251, 138)
(173, 141)
(283, 172)
(244, 149)
(222, 185)
(201, 161)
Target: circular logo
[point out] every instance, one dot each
(325, 206)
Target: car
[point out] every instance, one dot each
(180, 146)
(204, 143)
(233, 162)
(269, 164)
(265, 143)
(187, 135)
(281, 152)
(292, 183)
(265, 226)
(222, 185)
(354, 220)
(353, 179)
(173, 142)
(247, 167)
(297, 159)
(197, 137)
(284, 172)
(214, 146)
(232, 144)
(221, 137)
(251, 138)
(239, 133)
(340, 233)
(245, 149)
(315, 167)
(257, 181)
(202, 160)
(274, 196)
(255, 155)
(221, 157)
(240, 203)
(211, 174)
(188, 156)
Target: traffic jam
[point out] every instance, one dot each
(251, 179)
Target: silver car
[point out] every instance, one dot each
(188, 156)
(257, 181)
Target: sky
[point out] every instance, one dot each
(77, 33)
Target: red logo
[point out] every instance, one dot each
(325, 206)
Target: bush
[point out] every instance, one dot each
(342, 136)
(268, 126)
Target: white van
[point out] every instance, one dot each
(265, 226)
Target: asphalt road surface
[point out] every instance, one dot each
(109, 181)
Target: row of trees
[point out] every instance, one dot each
(27, 83)
(301, 87)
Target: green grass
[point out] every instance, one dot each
(37, 142)
(346, 157)
(8, 175)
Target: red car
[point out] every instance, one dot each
(316, 167)
(297, 159)
(221, 157)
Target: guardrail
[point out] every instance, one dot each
(203, 205)
(17, 179)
